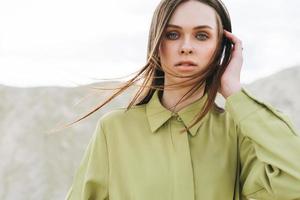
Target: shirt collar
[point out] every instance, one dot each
(157, 114)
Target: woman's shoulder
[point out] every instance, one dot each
(123, 114)
(220, 114)
(222, 120)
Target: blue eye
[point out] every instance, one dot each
(171, 35)
(203, 36)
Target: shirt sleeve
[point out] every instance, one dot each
(269, 149)
(91, 178)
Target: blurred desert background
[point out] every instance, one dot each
(38, 165)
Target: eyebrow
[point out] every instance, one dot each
(197, 27)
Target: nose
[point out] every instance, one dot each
(186, 48)
(186, 51)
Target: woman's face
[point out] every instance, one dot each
(191, 35)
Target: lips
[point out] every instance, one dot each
(185, 63)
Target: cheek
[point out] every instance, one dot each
(167, 55)
(206, 51)
(167, 49)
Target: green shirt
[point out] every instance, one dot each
(249, 151)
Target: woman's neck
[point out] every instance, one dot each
(171, 97)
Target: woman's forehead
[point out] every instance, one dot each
(193, 13)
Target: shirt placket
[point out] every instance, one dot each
(182, 164)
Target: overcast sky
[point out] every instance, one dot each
(70, 42)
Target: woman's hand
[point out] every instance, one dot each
(230, 80)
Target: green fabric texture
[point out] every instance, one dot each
(249, 151)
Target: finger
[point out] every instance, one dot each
(235, 40)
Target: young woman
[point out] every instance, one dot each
(173, 142)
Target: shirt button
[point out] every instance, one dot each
(179, 119)
(174, 114)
